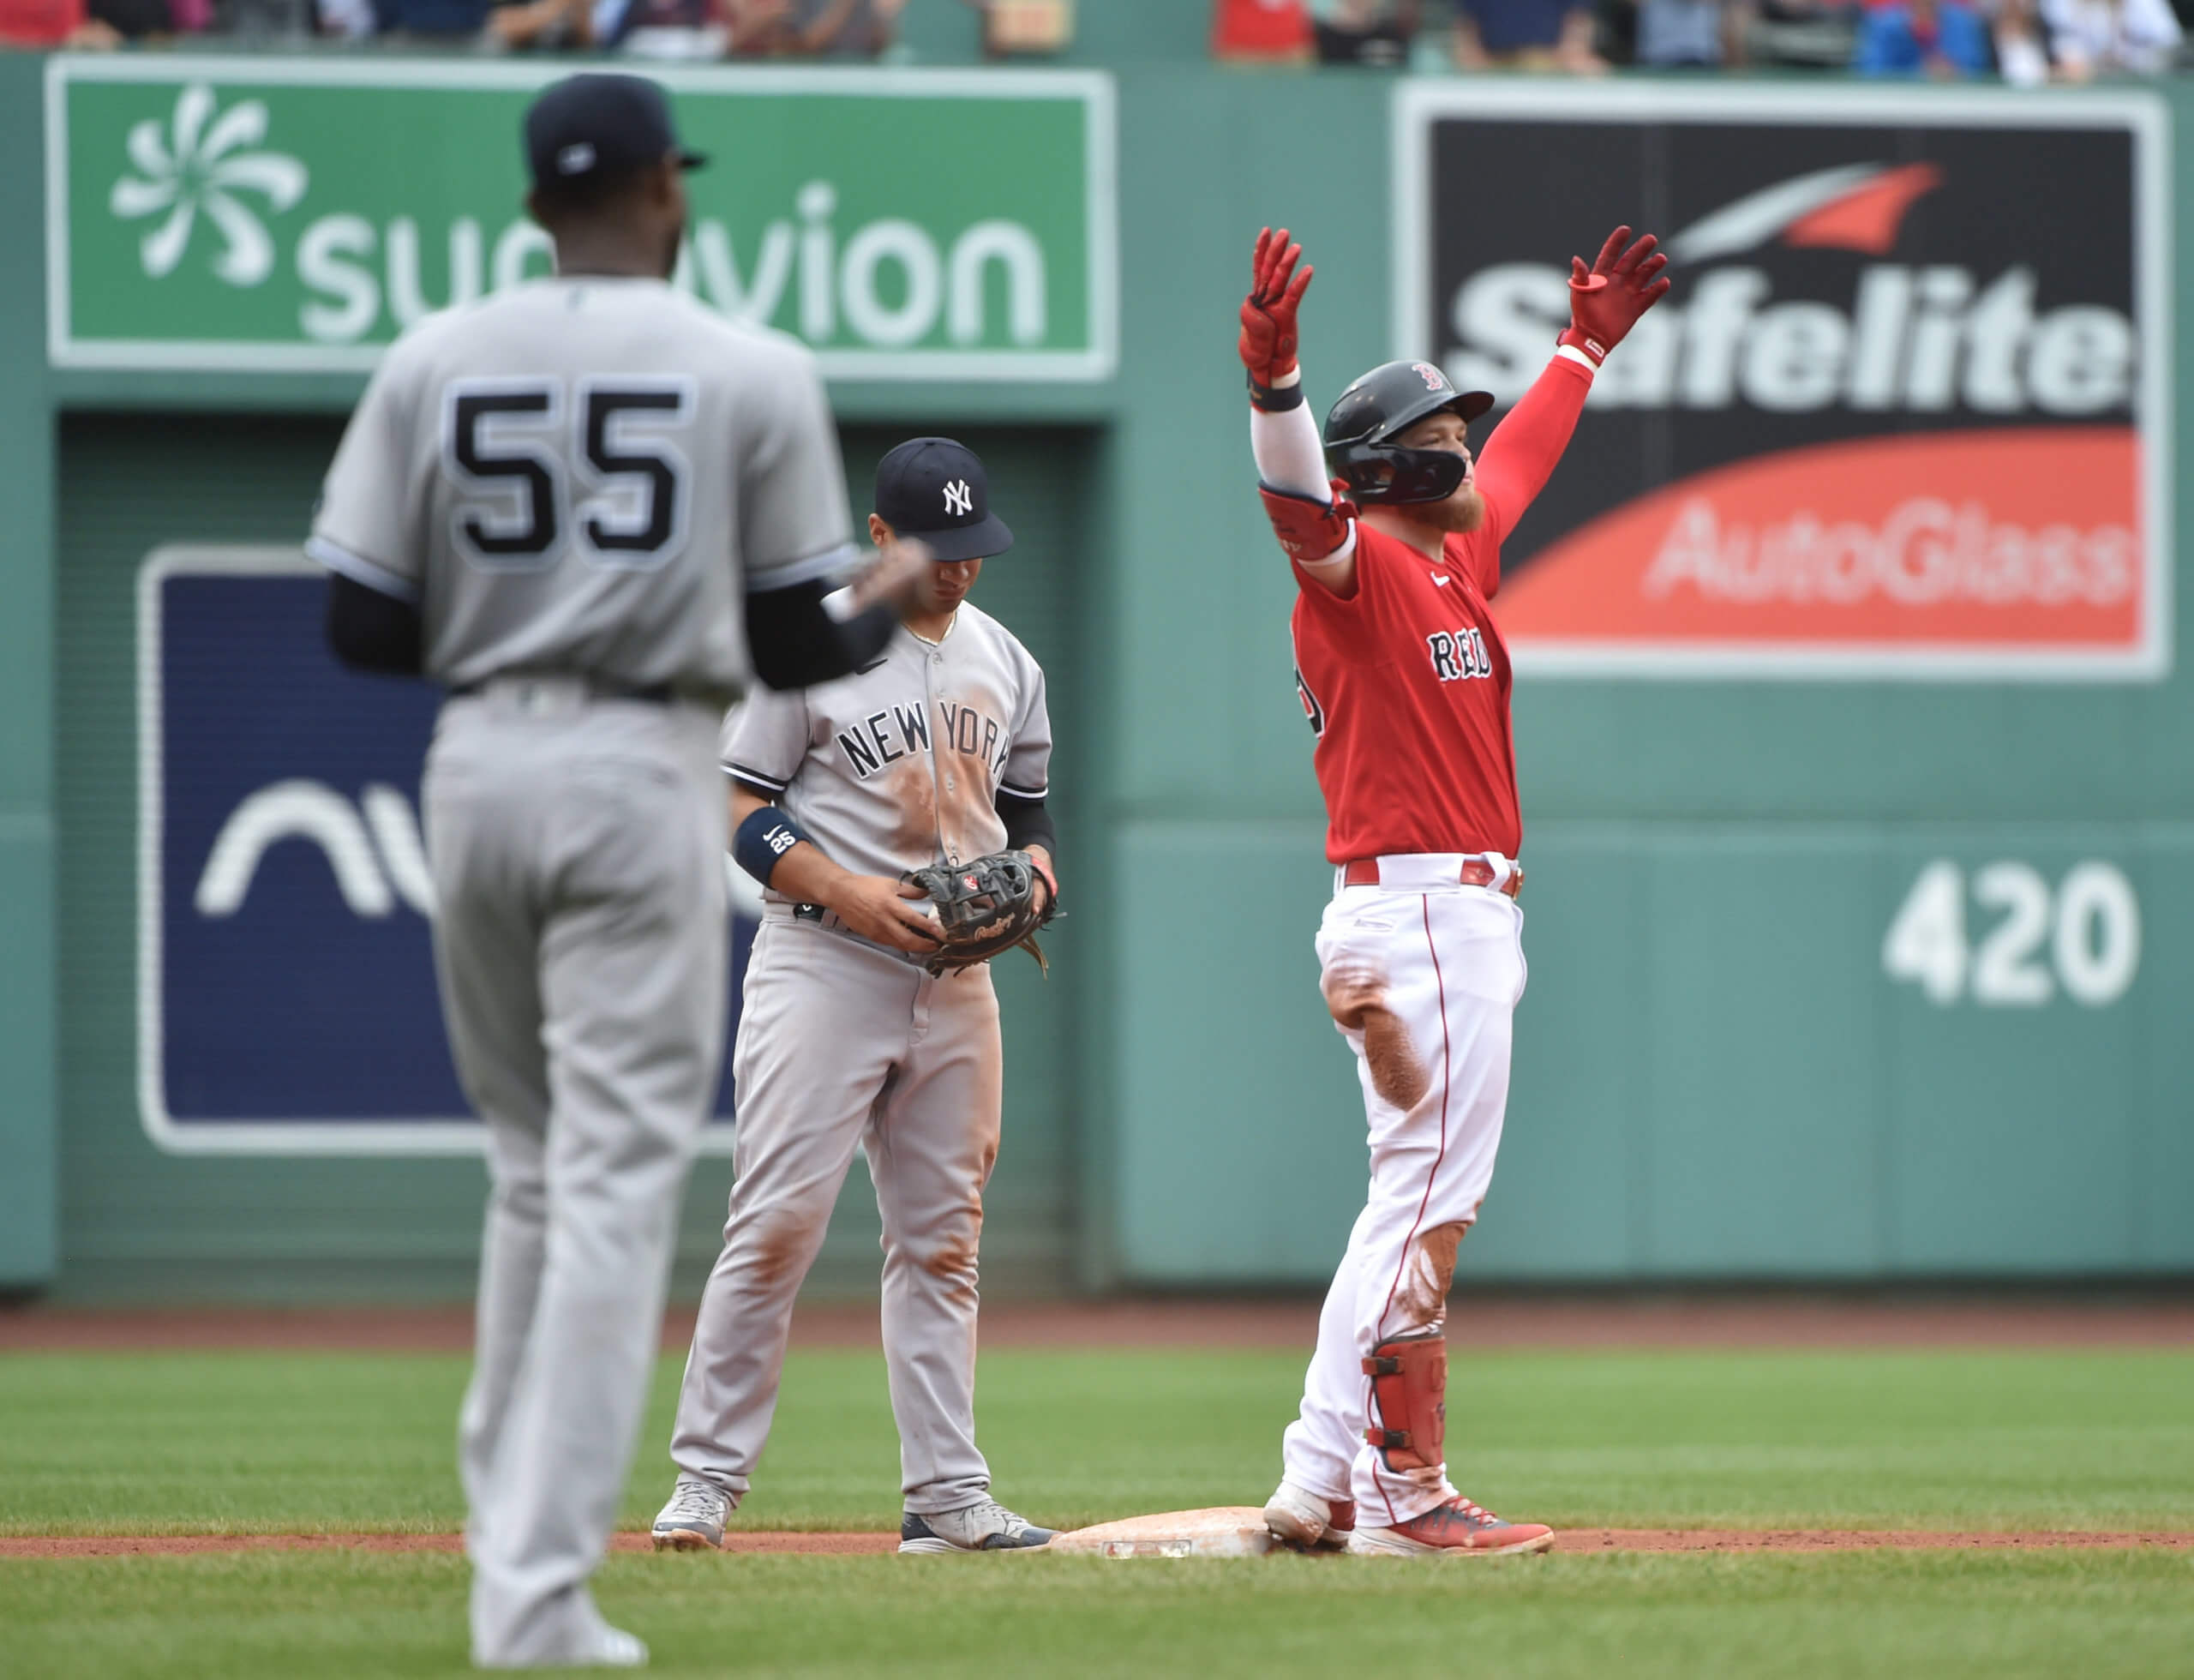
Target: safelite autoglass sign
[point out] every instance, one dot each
(1905, 413)
(254, 214)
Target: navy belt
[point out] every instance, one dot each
(603, 688)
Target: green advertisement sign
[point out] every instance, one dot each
(255, 215)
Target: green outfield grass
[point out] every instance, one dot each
(1633, 1617)
(245, 1443)
(264, 1443)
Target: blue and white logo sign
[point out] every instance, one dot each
(286, 994)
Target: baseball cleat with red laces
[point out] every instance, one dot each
(1458, 1528)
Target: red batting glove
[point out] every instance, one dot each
(1606, 300)
(1268, 331)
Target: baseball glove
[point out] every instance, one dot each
(984, 906)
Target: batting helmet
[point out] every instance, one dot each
(1379, 407)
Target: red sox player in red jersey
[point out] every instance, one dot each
(1407, 683)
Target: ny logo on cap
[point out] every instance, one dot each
(576, 158)
(958, 498)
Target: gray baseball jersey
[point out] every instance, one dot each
(575, 482)
(843, 1044)
(584, 475)
(899, 766)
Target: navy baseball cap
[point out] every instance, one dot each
(588, 125)
(936, 489)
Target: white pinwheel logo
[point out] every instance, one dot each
(199, 166)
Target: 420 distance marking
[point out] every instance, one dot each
(2089, 922)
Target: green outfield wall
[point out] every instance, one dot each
(1851, 958)
(29, 1185)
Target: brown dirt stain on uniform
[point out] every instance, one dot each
(1427, 1272)
(912, 788)
(776, 1241)
(955, 1262)
(1357, 996)
(969, 736)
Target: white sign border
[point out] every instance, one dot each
(1418, 104)
(356, 1137)
(1098, 362)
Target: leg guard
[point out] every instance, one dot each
(1409, 1385)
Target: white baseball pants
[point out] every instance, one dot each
(580, 933)
(1421, 976)
(844, 1046)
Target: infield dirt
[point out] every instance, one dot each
(839, 1546)
(1873, 1430)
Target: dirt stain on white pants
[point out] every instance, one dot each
(1427, 1271)
(1357, 996)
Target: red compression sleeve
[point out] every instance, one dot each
(1520, 456)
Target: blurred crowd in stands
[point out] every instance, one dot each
(671, 29)
(2023, 42)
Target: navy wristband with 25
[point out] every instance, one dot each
(765, 836)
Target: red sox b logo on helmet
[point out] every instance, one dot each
(1433, 378)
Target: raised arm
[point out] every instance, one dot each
(1318, 535)
(1521, 455)
(1605, 302)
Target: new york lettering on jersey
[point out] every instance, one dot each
(882, 738)
(900, 765)
(1427, 764)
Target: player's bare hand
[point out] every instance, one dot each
(1047, 881)
(1606, 300)
(876, 907)
(1269, 334)
(892, 577)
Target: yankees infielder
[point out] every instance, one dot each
(939, 749)
(563, 502)
(1403, 674)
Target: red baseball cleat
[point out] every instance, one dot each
(1458, 1528)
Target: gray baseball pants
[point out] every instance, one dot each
(575, 845)
(843, 1045)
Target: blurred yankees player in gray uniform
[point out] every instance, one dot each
(582, 504)
(939, 750)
